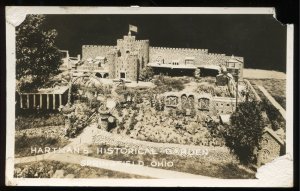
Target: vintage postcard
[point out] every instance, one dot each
(134, 96)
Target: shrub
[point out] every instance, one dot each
(146, 74)
(245, 131)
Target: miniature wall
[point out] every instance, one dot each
(111, 60)
(217, 105)
(92, 51)
(172, 54)
(223, 106)
(202, 57)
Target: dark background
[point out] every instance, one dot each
(260, 39)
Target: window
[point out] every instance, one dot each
(122, 74)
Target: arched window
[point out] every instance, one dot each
(98, 75)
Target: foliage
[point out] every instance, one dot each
(78, 120)
(37, 57)
(146, 74)
(164, 84)
(243, 135)
(26, 119)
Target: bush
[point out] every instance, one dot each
(245, 131)
(164, 84)
(146, 74)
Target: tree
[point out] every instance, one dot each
(244, 133)
(37, 57)
(146, 74)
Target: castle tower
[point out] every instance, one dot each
(132, 56)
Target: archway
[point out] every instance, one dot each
(98, 75)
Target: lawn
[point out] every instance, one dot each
(26, 119)
(218, 163)
(38, 138)
(276, 87)
(46, 169)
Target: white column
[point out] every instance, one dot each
(41, 101)
(47, 101)
(53, 101)
(27, 101)
(34, 101)
(60, 100)
(21, 101)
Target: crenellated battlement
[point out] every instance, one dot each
(217, 55)
(97, 46)
(179, 49)
(145, 41)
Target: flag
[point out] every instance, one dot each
(133, 28)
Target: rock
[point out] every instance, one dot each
(58, 174)
(70, 176)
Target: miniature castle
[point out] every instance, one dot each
(130, 56)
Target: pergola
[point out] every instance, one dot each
(49, 98)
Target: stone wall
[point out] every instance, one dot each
(111, 60)
(223, 105)
(215, 105)
(92, 51)
(202, 57)
(168, 55)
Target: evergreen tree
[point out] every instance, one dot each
(244, 133)
(37, 57)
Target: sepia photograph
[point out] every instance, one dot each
(159, 97)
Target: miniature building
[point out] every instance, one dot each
(130, 56)
(271, 147)
(234, 66)
(202, 102)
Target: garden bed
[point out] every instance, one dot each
(51, 169)
(146, 124)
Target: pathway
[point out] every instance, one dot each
(273, 101)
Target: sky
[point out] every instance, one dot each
(260, 39)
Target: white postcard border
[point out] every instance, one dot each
(15, 15)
